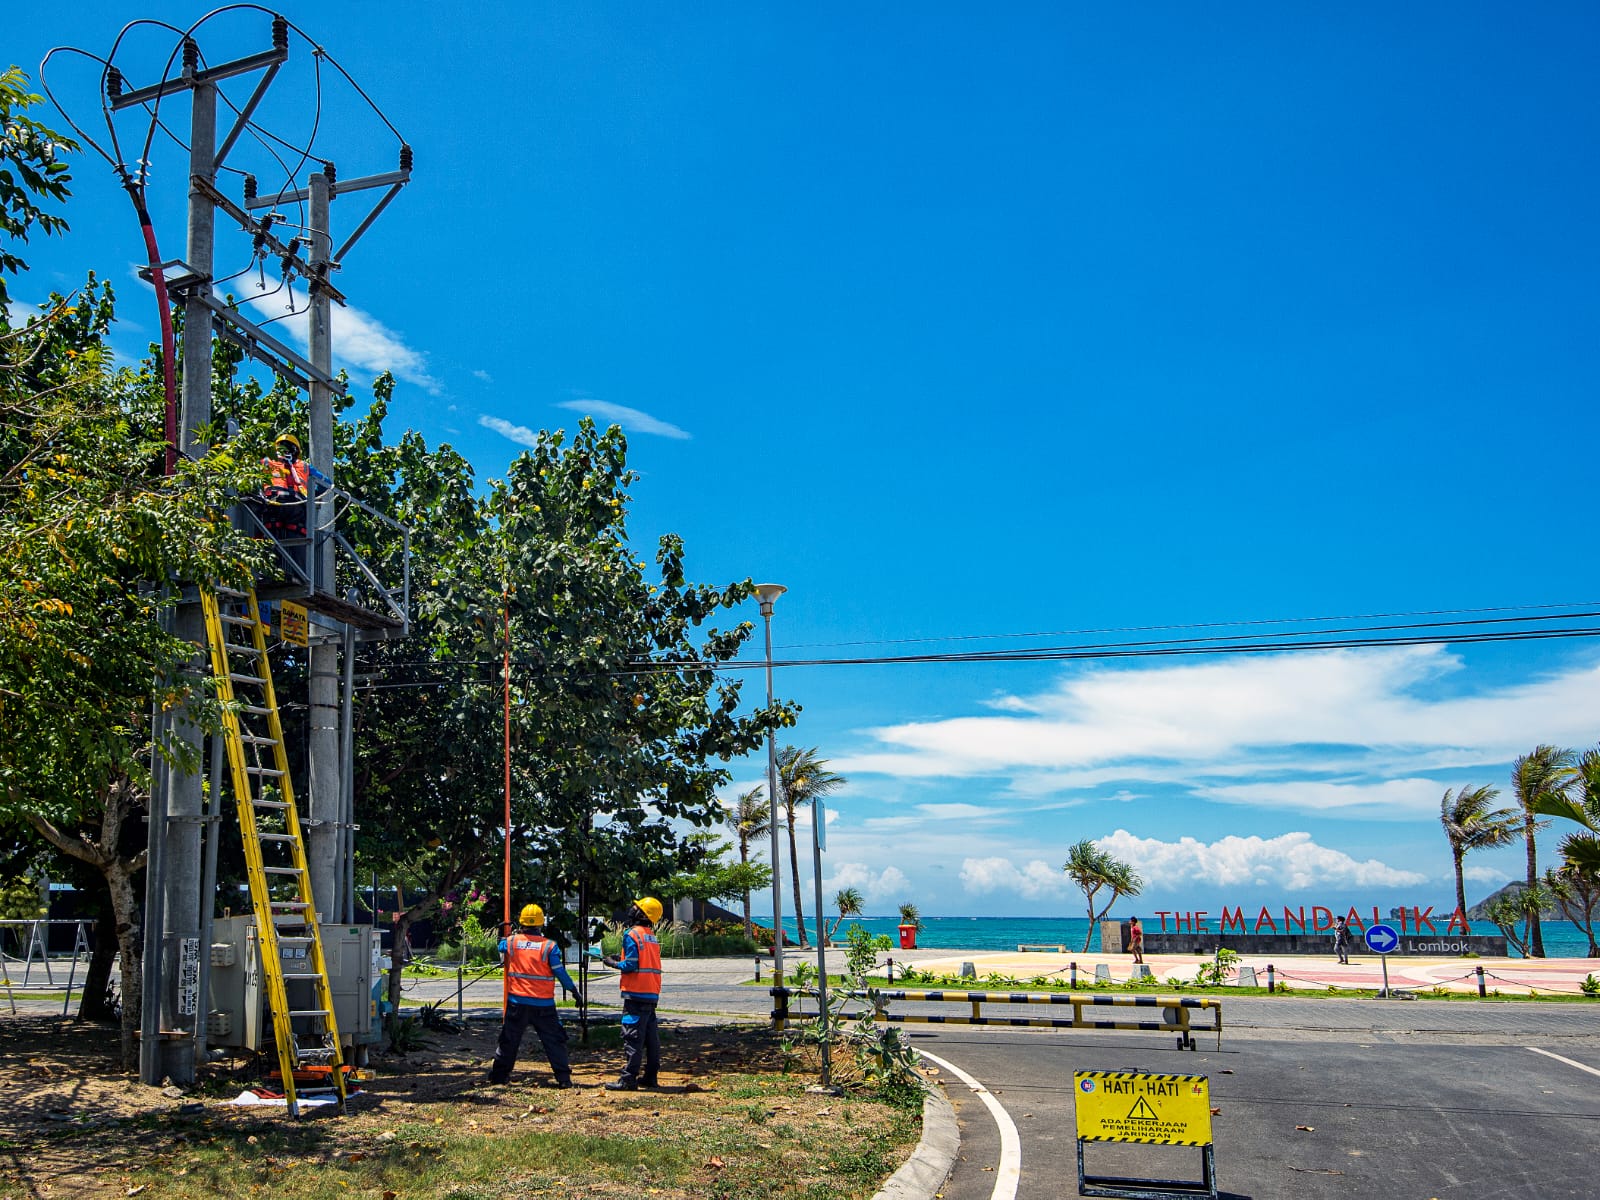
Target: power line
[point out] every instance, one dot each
(1468, 632)
(1237, 624)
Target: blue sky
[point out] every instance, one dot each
(971, 324)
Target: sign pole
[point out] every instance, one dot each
(1382, 940)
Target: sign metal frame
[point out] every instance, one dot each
(1145, 1124)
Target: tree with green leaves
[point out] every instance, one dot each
(1095, 870)
(1538, 778)
(1472, 823)
(621, 725)
(802, 778)
(849, 902)
(713, 878)
(96, 544)
(750, 818)
(1576, 883)
(33, 173)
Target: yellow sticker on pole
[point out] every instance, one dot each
(294, 623)
(1130, 1106)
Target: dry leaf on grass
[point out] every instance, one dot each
(1306, 1128)
(715, 1162)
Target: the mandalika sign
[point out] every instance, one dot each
(1319, 919)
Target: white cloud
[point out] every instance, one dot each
(359, 339)
(876, 886)
(1353, 733)
(1393, 799)
(1037, 880)
(959, 812)
(519, 434)
(1486, 875)
(631, 419)
(483, 375)
(1291, 861)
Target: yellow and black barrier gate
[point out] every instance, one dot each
(1144, 1109)
(1172, 1014)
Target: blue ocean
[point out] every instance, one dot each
(1561, 938)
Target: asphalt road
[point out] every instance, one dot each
(1404, 1115)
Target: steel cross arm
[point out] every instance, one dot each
(252, 339)
(394, 190)
(337, 188)
(253, 62)
(251, 226)
(246, 112)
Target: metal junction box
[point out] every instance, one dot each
(237, 1014)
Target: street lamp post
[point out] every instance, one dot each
(768, 594)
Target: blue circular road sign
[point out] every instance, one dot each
(1382, 939)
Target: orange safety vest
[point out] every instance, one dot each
(287, 482)
(645, 983)
(526, 968)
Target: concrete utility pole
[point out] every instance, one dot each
(326, 831)
(180, 942)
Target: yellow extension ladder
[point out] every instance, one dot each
(280, 892)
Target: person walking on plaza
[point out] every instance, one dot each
(1136, 939)
(1341, 940)
(533, 965)
(640, 977)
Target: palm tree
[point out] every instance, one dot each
(1539, 777)
(749, 818)
(1092, 868)
(802, 777)
(1577, 884)
(848, 901)
(1470, 824)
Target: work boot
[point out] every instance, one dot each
(649, 1081)
(617, 1085)
(560, 1081)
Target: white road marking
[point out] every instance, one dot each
(1009, 1172)
(1561, 1059)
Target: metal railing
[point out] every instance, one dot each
(35, 954)
(1174, 1014)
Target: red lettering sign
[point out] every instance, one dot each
(1266, 919)
(1232, 920)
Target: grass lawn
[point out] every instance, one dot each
(730, 1122)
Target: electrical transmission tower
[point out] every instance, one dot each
(301, 253)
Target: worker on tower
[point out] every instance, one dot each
(289, 479)
(533, 965)
(640, 974)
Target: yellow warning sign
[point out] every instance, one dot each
(1130, 1106)
(295, 623)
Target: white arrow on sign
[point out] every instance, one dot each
(1382, 939)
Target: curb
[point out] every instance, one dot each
(922, 1175)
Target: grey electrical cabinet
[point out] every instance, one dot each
(238, 1016)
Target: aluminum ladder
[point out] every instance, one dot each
(287, 937)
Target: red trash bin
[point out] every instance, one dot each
(908, 937)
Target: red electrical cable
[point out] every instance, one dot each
(168, 341)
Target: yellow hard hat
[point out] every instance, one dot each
(291, 439)
(531, 914)
(650, 907)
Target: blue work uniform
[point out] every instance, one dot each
(534, 963)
